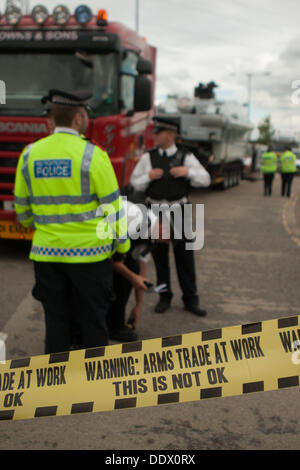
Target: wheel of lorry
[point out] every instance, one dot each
(235, 178)
(225, 184)
(228, 176)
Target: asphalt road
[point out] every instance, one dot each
(248, 271)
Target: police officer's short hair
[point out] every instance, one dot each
(65, 105)
(63, 115)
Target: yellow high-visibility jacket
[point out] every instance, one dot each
(288, 162)
(269, 162)
(67, 189)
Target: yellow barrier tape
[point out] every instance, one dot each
(224, 362)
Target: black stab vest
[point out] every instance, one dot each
(168, 187)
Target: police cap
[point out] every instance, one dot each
(46, 105)
(76, 98)
(164, 124)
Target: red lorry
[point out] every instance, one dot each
(72, 52)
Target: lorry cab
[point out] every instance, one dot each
(79, 51)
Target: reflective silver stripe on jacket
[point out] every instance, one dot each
(64, 218)
(72, 200)
(22, 201)
(111, 218)
(110, 197)
(54, 200)
(85, 168)
(25, 171)
(24, 216)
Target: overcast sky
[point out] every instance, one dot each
(204, 40)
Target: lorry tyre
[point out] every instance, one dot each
(226, 181)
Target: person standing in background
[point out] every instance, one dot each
(253, 159)
(165, 174)
(269, 168)
(288, 170)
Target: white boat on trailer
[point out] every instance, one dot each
(216, 132)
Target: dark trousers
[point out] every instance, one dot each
(122, 289)
(185, 267)
(57, 286)
(268, 182)
(286, 183)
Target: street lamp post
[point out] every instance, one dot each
(250, 75)
(137, 15)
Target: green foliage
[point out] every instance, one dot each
(266, 132)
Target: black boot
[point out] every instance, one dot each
(124, 335)
(163, 304)
(196, 310)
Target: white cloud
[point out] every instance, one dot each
(204, 41)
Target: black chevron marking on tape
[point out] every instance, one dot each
(132, 347)
(165, 398)
(7, 414)
(59, 357)
(45, 411)
(15, 363)
(284, 382)
(214, 392)
(171, 341)
(82, 407)
(123, 403)
(289, 321)
(94, 352)
(211, 334)
(251, 387)
(251, 328)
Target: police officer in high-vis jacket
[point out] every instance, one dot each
(166, 173)
(269, 168)
(67, 190)
(288, 170)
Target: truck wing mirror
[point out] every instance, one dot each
(142, 94)
(144, 66)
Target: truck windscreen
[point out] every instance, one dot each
(29, 76)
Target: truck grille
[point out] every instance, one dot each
(12, 146)
(9, 156)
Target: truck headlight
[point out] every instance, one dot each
(13, 15)
(39, 14)
(83, 14)
(61, 14)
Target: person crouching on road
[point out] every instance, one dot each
(130, 272)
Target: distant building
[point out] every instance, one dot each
(281, 142)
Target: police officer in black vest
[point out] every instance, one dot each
(165, 174)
